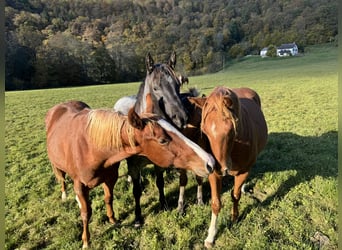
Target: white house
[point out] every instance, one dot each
(263, 52)
(287, 49)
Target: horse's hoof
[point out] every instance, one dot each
(112, 221)
(180, 208)
(138, 223)
(164, 207)
(208, 244)
(200, 202)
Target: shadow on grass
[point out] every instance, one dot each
(306, 156)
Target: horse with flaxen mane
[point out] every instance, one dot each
(88, 145)
(234, 123)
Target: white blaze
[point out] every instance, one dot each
(197, 149)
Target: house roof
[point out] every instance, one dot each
(287, 46)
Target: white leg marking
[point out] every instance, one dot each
(212, 229)
(64, 196)
(180, 207)
(78, 202)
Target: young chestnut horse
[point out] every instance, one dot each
(88, 145)
(236, 128)
(160, 90)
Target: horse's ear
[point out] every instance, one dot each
(232, 101)
(173, 60)
(149, 63)
(228, 102)
(135, 120)
(198, 101)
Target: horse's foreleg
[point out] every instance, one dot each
(134, 166)
(199, 190)
(183, 180)
(82, 197)
(108, 187)
(137, 194)
(215, 182)
(236, 194)
(160, 184)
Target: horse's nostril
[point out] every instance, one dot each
(210, 169)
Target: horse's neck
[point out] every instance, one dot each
(141, 103)
(128, 140)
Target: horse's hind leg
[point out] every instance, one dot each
(108, 187)
(236, 194)
(60, 175)
(160, 184)
(82, 196)
(199, 190)
(183, 180)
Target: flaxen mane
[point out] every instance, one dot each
(105, 127)
(229, 110)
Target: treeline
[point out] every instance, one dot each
(53, 43)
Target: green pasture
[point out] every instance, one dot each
(295, 176)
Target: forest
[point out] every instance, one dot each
(59, 43)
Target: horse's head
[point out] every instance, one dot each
(164, 86)
(165, 146)
(220, 122)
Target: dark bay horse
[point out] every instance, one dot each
(88, 145)
(236, 128)
(161, 87)
(161, 91)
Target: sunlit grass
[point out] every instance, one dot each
(296, 173)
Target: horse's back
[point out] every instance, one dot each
(56, 112)
(124, 104)
(248, 94)
(62, 129)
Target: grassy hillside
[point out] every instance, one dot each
(295, 176)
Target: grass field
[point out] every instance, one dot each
(296, 173)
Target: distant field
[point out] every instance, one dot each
(296, 173)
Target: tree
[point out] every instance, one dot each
(272, 51)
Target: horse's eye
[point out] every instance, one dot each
(163, 141)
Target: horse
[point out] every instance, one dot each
(236, 128)
(162, 86)
(183, 79)
(88, 145)
(161, 91)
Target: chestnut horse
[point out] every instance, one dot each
(88, 145)
(236, 128)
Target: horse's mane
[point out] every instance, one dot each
(228, 111)
(105, 127)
